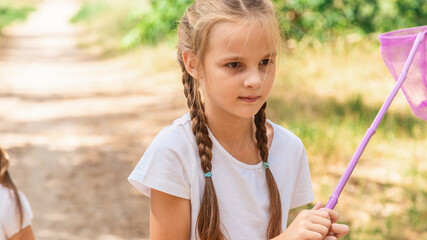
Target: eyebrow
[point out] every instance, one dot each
(231, 58)
(273, 54)
(238, 58)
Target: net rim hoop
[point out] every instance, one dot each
(410, 35)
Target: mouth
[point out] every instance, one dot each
(250, 99)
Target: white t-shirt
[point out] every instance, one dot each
(9, 215)
(171, 164)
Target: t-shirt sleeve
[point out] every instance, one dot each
(162, 167)
(303, 192)
(11, 227)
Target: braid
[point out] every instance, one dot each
(208, 220)
(275, 223)
(261, 133)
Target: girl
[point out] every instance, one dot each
(15, 211)
(223, 171)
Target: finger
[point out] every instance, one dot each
(340, 230)
(321, 213)
(309, 234)
(318, 228)
(332, 214)
(330, 238)
(321, 221)
(317, 206)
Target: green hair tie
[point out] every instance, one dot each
(266, 165)
(208, 174)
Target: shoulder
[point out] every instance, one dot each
(168, 162)
(26, 209)
(7, 197)
(175, 136)
(25, 203)
(284, 135)
(173, 144)
(8, 208)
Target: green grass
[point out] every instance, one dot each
(326, 123)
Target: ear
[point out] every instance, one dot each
(190, 63)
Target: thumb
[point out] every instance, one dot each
(317, 206)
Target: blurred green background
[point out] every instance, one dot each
(330, 84)
(12, 11)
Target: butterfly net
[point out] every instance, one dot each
(395, 49)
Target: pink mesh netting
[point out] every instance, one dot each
(395, 48)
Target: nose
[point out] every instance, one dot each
(254, 79)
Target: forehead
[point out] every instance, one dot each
(241, 38)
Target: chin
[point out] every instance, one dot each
(249, 113)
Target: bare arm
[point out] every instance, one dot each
(25, 234)
(170, 217)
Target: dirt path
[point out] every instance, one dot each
(75, 125)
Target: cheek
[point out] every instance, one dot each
(220, 81)
(271, 78)
(268, 83)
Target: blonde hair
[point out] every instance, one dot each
(193, 35)
(6, 181)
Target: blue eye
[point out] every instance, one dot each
(234, 65)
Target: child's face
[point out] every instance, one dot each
(238, 69)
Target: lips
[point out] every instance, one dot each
(249, 99)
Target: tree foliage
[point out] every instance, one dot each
(157, 23)
(326, 19)
(322, 20)
(9, 14)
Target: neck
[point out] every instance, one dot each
(230, 130)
